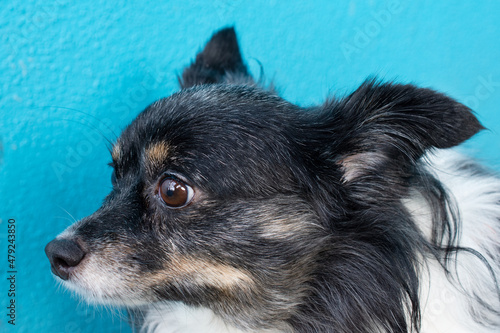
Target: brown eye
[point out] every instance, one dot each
(175, 193)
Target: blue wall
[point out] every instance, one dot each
(74, 73)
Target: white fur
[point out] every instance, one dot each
(446, 306)
(176, 317)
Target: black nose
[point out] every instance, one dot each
(64, 254)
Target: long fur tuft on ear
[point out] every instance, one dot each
(381, 130)
(219, 62)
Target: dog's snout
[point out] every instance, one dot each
(64, 254)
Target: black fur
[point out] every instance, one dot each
(327, 181)
(219, 60)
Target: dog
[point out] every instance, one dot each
(233, 210)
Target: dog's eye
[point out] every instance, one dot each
(175, 193)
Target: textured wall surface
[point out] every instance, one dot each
(74, 73)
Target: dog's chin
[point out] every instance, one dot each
(110, 296)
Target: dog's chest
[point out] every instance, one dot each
(177, 317)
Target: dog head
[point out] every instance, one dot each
(226, 196)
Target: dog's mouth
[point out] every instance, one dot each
(94, 277)
(100, 283)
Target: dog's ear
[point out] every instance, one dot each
(219, 62)
(381, 130)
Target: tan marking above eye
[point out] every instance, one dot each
(157, 152)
